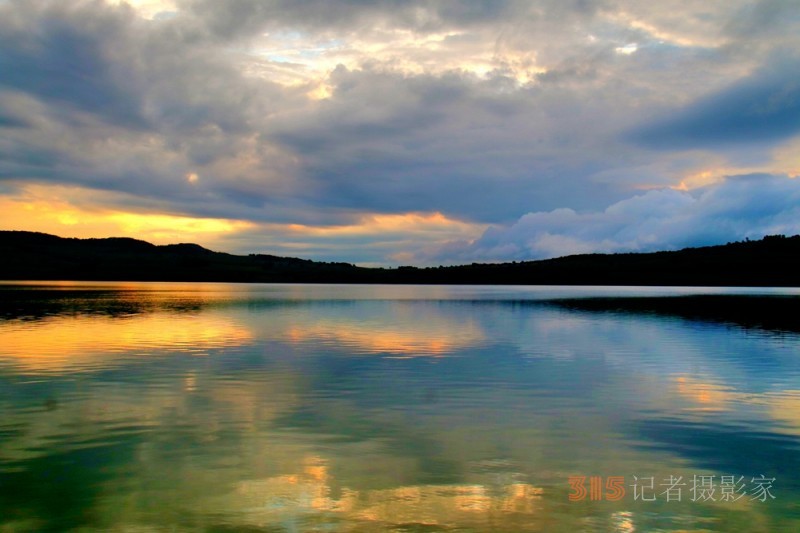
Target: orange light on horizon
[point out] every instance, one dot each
(75, 212)
(69, 211)
(398, 222)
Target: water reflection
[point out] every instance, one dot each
(402, 330)
(315, 490)
(773, 312)
(79, 343)
(223, 408)
(705, 396)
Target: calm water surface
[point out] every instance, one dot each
(225, 407)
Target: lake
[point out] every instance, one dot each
(271, 408)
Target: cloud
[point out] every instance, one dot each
(763, 20)
(762, 108)
(372, 239)
(113, 102)
(327, 114)
(58, 54)
(745, 206)
(244, 18)
(398, 142)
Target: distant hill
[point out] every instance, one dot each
(771, 261)
(39, 256)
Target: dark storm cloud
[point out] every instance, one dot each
(764, 19)
(105, 61)
(247, 17)
(451, 143)
(762, 108)
(61, 55)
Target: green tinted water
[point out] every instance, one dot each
(223, 407)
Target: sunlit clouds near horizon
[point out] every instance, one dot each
(386, 133)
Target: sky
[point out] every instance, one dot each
(391, 133)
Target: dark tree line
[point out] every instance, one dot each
(771, 261)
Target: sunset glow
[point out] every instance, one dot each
(390, 134)
(38, 209)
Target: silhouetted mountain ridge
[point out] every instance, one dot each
(771, 261)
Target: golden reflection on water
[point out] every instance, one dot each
(312, 488)
(61, 344)
(705, 396)
(424, 339)
(782, 406)
(400, 329)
